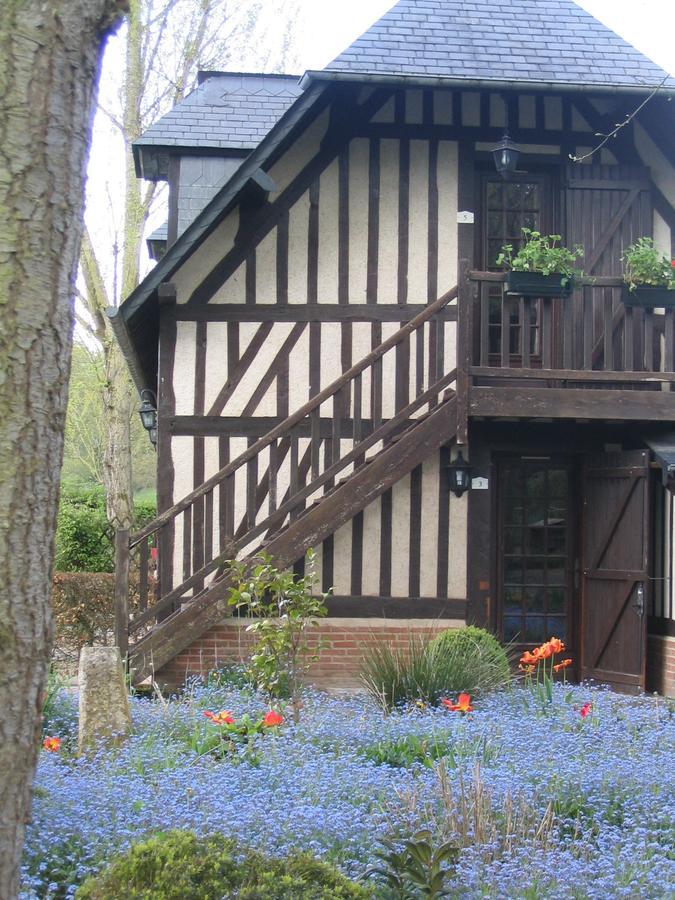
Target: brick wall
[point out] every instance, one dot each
(339, 660)
(661, 664)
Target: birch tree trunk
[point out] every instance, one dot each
(49, 59)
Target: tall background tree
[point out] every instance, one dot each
(162, 45)
(49, 63)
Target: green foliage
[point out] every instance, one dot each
(543, 254)
(181, 866)
(404, 751)
(285, 610)
(84, 538)
(419, 869)
(427, 670)
(481, 661)
(645, 265)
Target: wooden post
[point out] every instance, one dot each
(122, 590)
(464, 314)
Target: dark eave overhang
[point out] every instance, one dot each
(135, 322)
(151, 159)
(442, 81)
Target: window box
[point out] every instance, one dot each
(649, 296)
(535, 284)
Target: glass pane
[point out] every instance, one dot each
(556, 543)
(511, 627)
(513, 226)
(513, 571)
(535, 515)
(556, 600)
(513, 541)
(530, 196)
(513, 198)
(556, 571)
(534, 570)
(557, 513)
(513, 481)
(531, 220)
(512, 599)
(534, 599)
(495, 225)
(556, 627)
(494, 249)
(557, 483)
(494, 194)
(514, 513)
(535, 631)
(536, 483)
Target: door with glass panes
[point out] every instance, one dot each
(506, 208)
(536, 550)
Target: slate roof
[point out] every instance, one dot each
(227, 110)
(544, 41)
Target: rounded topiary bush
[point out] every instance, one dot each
(181, 866)
(471, 658)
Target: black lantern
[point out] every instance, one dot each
(459, 475)
(506, 155)
(148, 414)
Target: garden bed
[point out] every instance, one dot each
(541, 800)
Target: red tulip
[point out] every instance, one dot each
(272, 719)
(585, 709)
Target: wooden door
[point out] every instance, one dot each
(606, 209)
(615, 559)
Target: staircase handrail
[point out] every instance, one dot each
(287, 424)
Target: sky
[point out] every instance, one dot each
(324, 30)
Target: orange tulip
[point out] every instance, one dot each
(224, 717)
(527, 669)
(556, 645)
(562, 665)
(52, 744)
(529, 659)
(463, 704)
(272, 719)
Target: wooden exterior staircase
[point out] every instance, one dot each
(296, 485)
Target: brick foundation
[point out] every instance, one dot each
(338, 664)
(661, 664)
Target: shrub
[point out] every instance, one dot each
(476, 659)
(83, 604)
(466, 659)
(84, 538)
(181, 866)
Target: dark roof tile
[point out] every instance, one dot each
(496, 40)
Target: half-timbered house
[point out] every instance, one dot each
(326, 328)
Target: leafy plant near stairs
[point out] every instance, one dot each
(285, 609)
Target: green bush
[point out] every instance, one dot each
(181, 866)
(465, 659)
(480, 660)
(84, 538)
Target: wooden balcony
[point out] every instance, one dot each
(585, 357)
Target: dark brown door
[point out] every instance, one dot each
(536, 550)
(615, 568)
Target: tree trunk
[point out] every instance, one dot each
(49, 58)
(119, 407)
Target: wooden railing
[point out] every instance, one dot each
(588, 336)
(294, 465)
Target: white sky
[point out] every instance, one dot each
(324, 30)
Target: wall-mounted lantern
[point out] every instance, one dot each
(148, 414)
(506, 155)
(459, 475)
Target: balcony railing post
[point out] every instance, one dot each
(122, 590)
(464, 315)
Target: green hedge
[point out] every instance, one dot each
(181, 866)
(84, 538)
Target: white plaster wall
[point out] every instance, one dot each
(200, 263)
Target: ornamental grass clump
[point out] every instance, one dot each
(460, 661)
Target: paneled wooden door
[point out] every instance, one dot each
(615, 560)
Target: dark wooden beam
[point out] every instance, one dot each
(572, 403)
(396, 607)
(312, 312)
